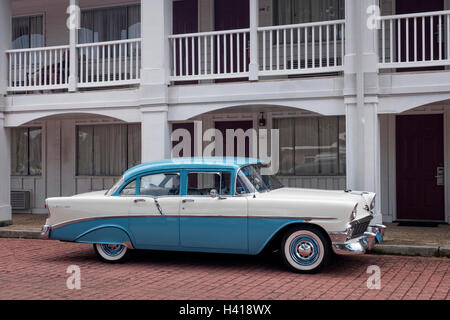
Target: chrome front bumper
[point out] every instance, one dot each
(343, 246)
(45, 231)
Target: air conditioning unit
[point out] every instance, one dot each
(20, 200)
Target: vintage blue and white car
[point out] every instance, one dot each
(222, 205)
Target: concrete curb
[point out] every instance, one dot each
(411, 250)
(21, 234)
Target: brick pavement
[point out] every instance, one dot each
(36, 269)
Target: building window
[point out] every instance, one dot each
(107, 150)
(26, 151)
(304, 11)
(27, 32)
(312, 146)
(109, 24)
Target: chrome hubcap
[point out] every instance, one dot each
(305, 249)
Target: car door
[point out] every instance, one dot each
(154, 210)
(213, 223)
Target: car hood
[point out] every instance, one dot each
(361, 198)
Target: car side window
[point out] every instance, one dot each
(201, 183)
(160, 184)
(129, 190)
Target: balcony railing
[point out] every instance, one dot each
(302, 48)
(283, 50)
(38, 68)
(415, 40)
(112, 63)
(101, 64)
(210, 55)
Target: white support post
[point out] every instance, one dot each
(155, 133)
(5, 150)
(361, 100)
(74, 24)
(254, 51)
(156, 26)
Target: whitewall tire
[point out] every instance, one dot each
(305, 249)
(111, 252)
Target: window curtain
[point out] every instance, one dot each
(134, 22)
(108, 150)
(110, 24)
(134, 145)
(26, 151)
(110, 142)
(328, 144)
(21, 33)
(286, 134)
(86, 32)
(36, 32)
(307, 146)
(312, 145)
(342, 146)
(303, 11)
(85, 151)
(35, 147)
(19, 151)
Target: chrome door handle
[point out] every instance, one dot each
(187, 200)
(139, 200)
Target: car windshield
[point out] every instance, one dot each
(116, 186)
(260, 183)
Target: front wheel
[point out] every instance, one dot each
(111, 253)
(305, 249)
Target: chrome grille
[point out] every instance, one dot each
(360, 226)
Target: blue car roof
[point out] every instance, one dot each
(191, 163)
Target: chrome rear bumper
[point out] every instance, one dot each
(45, 231)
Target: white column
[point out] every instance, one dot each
(361, 100)
(254, 51)
(156, 26)
(74, 24)
(155, 133)
(5, 150)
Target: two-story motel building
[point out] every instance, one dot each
(361, 103)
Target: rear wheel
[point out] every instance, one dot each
(305, 249)
(111, 253)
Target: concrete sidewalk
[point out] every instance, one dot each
(411, 241)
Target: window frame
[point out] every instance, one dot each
(77, 148)
(28, 174)
(29, 16)
(138, 183)
(295, 174)
(126, 6)
(212, 171)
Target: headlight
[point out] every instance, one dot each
(353, 214)
(372, 204)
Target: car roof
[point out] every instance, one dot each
(191, 163)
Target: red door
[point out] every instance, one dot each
(416, 6)
(185, 20)
(230, 15)
(420, 155)
(222, 126)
